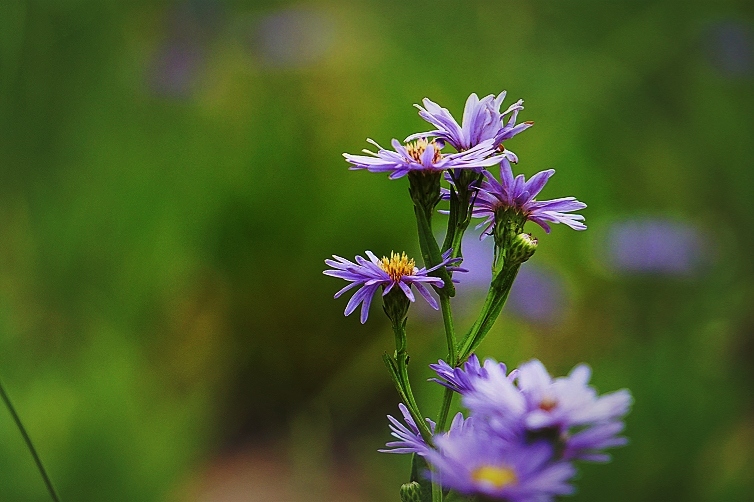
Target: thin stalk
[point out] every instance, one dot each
(447, 399)
(450, 334)
(436, 488)
(29, 444)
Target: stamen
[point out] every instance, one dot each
(416, 148)
(398, 265)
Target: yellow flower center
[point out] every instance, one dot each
(416, 148)
(397, 265)
(497, 477)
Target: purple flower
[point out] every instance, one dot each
(462, 380)
(567, 402)
(398, 270)
(565, 407)
(422, 155)
(518, 194)
(482, 121)
(409, 438)
(471, 460)
(588, 443)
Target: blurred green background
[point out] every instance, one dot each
(171, 181)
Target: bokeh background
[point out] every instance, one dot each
(171, 180)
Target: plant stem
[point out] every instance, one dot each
(29, 444)
(436, 488)
(447, 399)
(493, 305)
(450, 334)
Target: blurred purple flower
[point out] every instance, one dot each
(175, 68)
(730, 48)
(518, 194)
(537, 295)
(178, 61)
(566, 409)
(474, 461)
(295, 37)
(655, 246)
(398, 270)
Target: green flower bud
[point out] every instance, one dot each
(396, 304)
(522, 248)
(424, 188)
(411, 492)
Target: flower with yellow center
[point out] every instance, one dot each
(398, 265)
(496, 476)
(398, 271)
(424, 156)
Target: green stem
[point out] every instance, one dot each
(431, 253)
(29, 444)
(447, 399)
(436, 488)
(493, 305)
(450, 334)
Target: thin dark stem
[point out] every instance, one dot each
(29, 444)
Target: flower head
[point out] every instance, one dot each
(462, 380)
(422, 155)
(482, 121)
(472, 460)
(568, 401)
(566, 409)
(409, 437)
(518, 195)
(371, 274)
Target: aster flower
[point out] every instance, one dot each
(422, 155)
(482, 121)
(566, 408)
(518, 195)
(569, 401)
(388, 273)
(588, 444)
(409, 437)
(462, 380)
(473, 461)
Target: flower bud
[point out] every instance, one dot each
(424, 188)
(396, 304)
(411, 492)
(522, 248)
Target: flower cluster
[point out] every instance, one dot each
(523, 432)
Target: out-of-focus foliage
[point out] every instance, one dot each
(171, 180)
